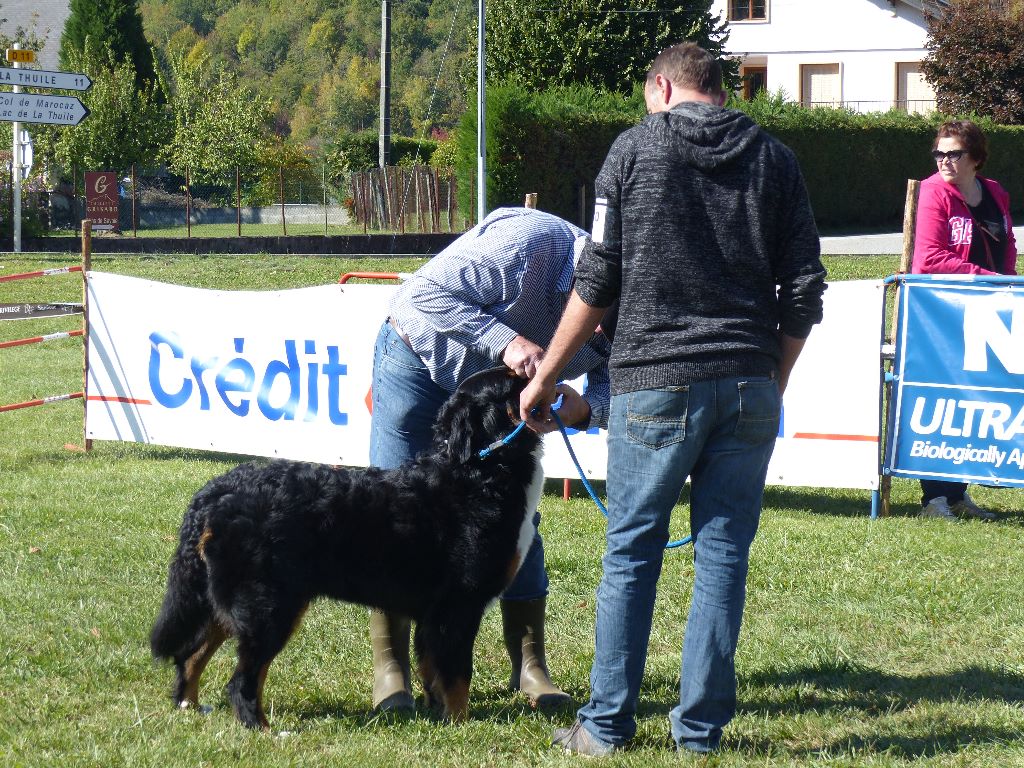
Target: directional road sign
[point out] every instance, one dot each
(41, 108)
(41, 78)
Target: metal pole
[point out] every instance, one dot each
(238, 201)
(188, 205)
(16, 167)
(280, 176)
(135, 225)
(481, 119)
(384, 148)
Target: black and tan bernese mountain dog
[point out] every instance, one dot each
(436, 540)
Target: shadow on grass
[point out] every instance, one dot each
(862, 695)
(495, 706)
(840, 689)
(942, 740)
(848, 503)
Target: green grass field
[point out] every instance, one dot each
(866, 643)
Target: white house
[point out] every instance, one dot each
(863, 54)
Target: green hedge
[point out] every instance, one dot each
(551, 143)
(856, 165)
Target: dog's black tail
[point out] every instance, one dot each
(186, 612)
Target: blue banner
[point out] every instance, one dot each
(957, 410)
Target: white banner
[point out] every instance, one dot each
(830, 420)
(287, 374)
(267, 373)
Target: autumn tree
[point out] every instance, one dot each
(976, 59)
(219, 123)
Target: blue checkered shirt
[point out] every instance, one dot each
(510, 275)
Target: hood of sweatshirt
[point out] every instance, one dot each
(704, 135)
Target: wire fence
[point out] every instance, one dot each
(153, 202)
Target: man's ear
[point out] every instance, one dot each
(664, 88)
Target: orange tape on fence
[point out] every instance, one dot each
(372, 276)
(43, 401)
(38, 339)
(40, 273)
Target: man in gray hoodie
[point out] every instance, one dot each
(704, 233)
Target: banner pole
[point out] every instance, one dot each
(86, 266)
(906, 258)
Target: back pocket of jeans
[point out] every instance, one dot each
(657, 417)
(760, 411)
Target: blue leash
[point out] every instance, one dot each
(501, 443)
(586, 483)
(572, 454)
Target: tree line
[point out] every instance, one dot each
(211, 85)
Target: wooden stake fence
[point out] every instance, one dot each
(396, 198)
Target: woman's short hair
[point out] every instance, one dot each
(969, 134)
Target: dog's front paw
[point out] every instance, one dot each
(202, 709)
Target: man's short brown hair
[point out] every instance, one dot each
(687, 65)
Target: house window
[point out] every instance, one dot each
(914, 94)
(748, 10)
(754, 79)
(820, 85)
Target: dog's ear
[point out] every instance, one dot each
(456, 427)
(482, 410)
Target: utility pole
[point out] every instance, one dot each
(481, 120)
(384, 148)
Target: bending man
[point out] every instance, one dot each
(494, 295)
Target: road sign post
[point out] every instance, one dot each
(16, 156)
(40, 108)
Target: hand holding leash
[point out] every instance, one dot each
(535, 405)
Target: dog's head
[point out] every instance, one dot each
(484, 408)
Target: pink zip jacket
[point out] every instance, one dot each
(945, 228)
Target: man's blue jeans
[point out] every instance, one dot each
(406, 402)
(720, 434)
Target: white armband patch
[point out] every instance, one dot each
(600, 213)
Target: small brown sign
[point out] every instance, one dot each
(101, 199)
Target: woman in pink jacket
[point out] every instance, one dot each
(963, 228)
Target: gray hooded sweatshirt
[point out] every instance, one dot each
(704, 232)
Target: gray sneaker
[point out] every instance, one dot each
(938, 507)
(580, 741)
(968, 508)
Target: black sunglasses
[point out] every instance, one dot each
(953, 155)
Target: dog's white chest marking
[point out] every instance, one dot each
(533, 493)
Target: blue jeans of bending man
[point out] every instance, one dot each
(406, 402)
(721, 434)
